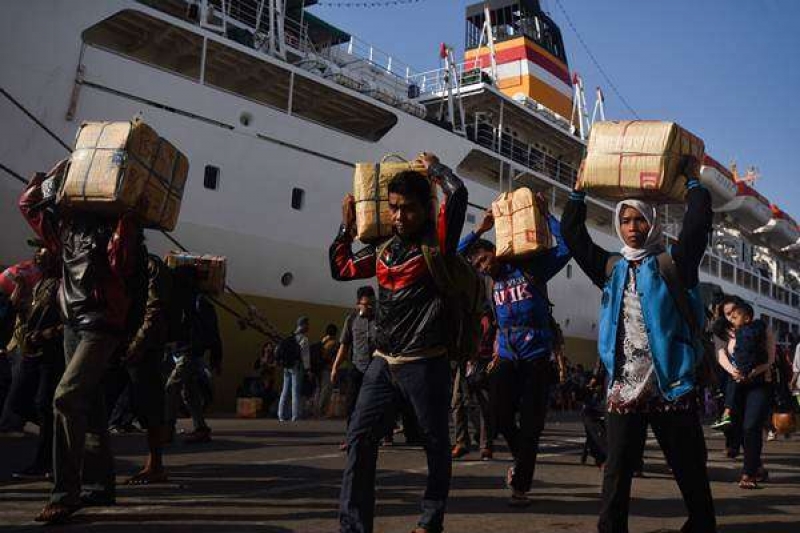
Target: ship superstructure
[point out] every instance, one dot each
(273, 106)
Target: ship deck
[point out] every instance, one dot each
(259, 475)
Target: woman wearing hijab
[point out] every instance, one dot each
(645, 345)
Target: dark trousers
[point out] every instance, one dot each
(521, 387)
(10, 420)
(426, 386)
(680, 436)
(356, 378)
(82, 455)
(471, 403)
(147, 389)
(35, 386)
(596, 445)
(754, 405)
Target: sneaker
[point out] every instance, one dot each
(459, 451)
(198, 436)
(723, 422)
(771, 435)
(486, 454)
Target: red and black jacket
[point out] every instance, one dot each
(410, 308)
(97, 256)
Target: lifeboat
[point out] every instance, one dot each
(719, 181)
(748, 209)
(781, 231)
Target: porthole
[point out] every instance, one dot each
(245, 119)
(287, 279)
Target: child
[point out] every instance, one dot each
(750, 350)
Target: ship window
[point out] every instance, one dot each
(287, 278)
(334, 109)
(569, 271)
(298, 197)
(149, 40)
(244, 75)
(211, 177)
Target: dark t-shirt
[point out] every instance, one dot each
(359, 333)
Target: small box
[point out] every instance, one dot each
(209, 270)
(249, 407)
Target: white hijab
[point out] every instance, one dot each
(654, 244)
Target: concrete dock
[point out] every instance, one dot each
(264, 476)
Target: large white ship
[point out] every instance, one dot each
(273, 106)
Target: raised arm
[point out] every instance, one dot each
(591, 258)
(345, 265)
(543, 267)
(42, 221)
(486, 224)
(454, 209)
(693, 239)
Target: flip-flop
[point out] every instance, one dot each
(54, 513)
(148, 478)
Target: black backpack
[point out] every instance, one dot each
(288, 353)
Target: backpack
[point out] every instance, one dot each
(288, 353)
(464, 295)
(706, 367)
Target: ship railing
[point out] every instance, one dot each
(435, 82)
(380, 71)
(525, 154)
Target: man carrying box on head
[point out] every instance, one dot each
(98, 255)
(412, 338)
(647, 343)
(521, 367)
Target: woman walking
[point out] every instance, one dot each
(645, 343)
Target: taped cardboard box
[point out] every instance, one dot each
(521, 228)
(210, 270)
(371, 192)
(122, 166)
(638, 159)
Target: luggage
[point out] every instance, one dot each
(117, 166)
(370, 188)
(210, 269)
(638, 159)
(521, 228)
(248, 407)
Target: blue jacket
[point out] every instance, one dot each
(519, 299)
(675, 353)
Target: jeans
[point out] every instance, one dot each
(754, 405)
(680, 436)
(521, 387)
(471, 403)
(426, 386)
(38, 377)
(82, 455)
(183, 385)
(292, 384)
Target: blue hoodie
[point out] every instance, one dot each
(523, 314)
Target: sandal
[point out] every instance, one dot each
(54, 513)
(148, 477)
(747, 483)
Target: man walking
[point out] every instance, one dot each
(95, 308)
(412, 332)
(358, 342)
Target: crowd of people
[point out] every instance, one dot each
(452, 338)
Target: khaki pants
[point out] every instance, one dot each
(82, 456)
